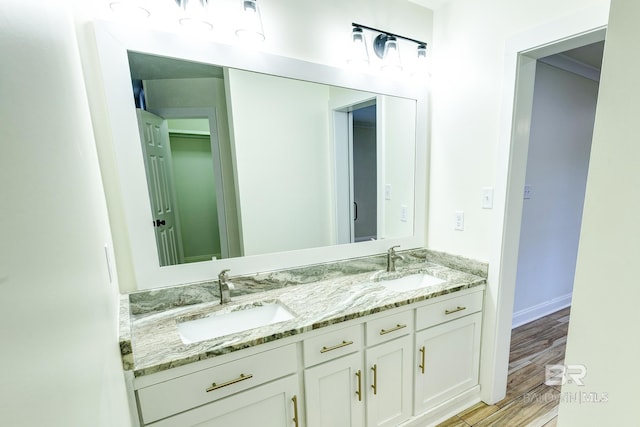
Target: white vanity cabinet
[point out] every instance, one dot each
(447, 354)
(389, 382)
(389, 364)
(372, 385)
(334, 378)
(334, 393)
(406, 365)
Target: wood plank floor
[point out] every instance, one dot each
(529, 402)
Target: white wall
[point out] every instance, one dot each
(60, 362)
(604, 318)
(196, 196)
(468, 77)
(280, 135)
(557, 163)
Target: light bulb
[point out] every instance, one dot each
(359, 56)
(195, 14)
(391, 56)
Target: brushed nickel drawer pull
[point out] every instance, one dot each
(337, 346)
(423, 350)
(359, 392)
(455, 310)
(294, 399)
(387, 331)
(242, 377)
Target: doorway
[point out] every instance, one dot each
(364, 173)
(561, 129)
(521, 55)
(357, 169)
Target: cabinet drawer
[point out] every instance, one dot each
(448, 309)
(332, 344)
(268, 405)
(170, 397)
(389, 327)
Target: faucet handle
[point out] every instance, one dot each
(223, 274)
(392, 249)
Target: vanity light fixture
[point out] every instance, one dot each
(195, 14)
(421, 65)
(386, 47)
(359, 56)
(250, 28)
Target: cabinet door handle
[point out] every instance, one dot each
(242, 377)
(359, 392)
(374, 386)
(395, 328)
(423, 350)
(455, 310)
(294, 399)
(337, 346)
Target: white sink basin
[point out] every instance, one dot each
(243, 319)
(411, 282)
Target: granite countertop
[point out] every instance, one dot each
(150, 341)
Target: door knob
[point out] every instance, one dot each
(159, 222)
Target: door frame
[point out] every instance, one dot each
(521, 53)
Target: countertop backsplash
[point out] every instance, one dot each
(161, 299)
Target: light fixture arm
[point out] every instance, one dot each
(387, 33)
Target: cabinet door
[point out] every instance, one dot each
(272, 405)
(334, 393)
(447, 361)
(389, 373)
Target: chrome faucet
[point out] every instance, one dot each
(392, 256)
(223, 281)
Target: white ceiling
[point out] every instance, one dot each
(151, 67)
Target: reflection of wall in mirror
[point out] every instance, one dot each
(282, 153)
(399, 118)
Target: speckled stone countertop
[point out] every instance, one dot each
(318, 296)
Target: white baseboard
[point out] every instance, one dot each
(530, 314)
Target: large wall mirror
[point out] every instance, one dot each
(228, 158)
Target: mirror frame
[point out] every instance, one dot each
(124, 162)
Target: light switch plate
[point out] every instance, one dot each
(404, 213)
(459, 221)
